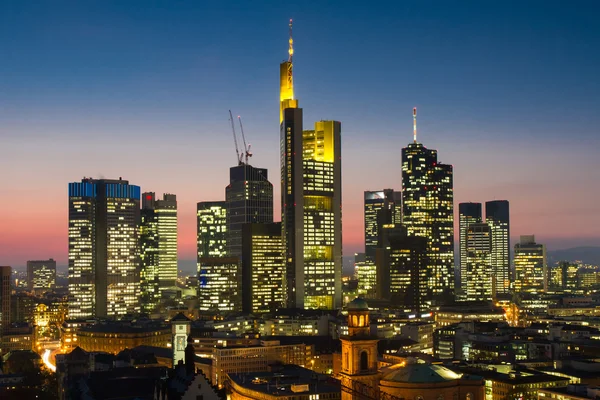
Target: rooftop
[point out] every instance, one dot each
(421, 372)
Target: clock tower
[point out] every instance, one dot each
(180, 328)
(359, 373)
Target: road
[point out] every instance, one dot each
(47, 362)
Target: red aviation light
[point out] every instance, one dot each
(148, 197)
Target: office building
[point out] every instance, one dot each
(41, 275)
(158, 237)
(479, 279)
(263, 268)
(104, 263)
(249, 197)
(212, 229)
(497, 217)
(310, 203)
(218, 285)
(468, 213)
(530, 265)
(427, 208)
(366, 275)
(5, 276)
(402, 269)
(375, 202)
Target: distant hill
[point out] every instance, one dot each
(588, 255)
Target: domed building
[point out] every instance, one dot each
(410, 380)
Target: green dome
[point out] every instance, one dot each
(420, 372)
(358, 304)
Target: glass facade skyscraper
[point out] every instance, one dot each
(218, 286)
(158, 236)
(104, 259)
(263, 268)
(479, 283)
(531, 267)
(497, 217)
(374, 201)
(249, 197)
(212, 228)
(468, 213)
(427, 208)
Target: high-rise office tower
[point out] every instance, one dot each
(249, 197)
(468, 213)
(104, 263)
(401, 268)
(5, 274)
(374, 202)
(310, 203)
(479, 278)
(263, 268)
(530, 265)
(212, 228)
(366, 275)
(218, 287)
(497, 217)
(158, 238)
(427, 208)
(41, 275)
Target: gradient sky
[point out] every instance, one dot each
(508, 92)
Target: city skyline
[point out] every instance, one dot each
(530, 146)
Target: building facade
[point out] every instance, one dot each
(480, 278)
(212, 228)
(375, 201)
(218, 284)
(5, 277)
(104, 263)
(427, 211)
(41, 275)
(263, 267)
(497, 216)
(249, 197)
(531, 267)
(158, 237)
(468, 213)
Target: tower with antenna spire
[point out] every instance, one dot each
(415, 125)
(286, 80)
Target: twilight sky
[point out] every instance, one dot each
(508, 92)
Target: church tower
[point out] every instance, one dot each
(180, 330)
(359, 373)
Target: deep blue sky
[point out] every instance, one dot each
(508, 92)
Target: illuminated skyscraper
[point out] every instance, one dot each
(41, 275)
(366, 274)
(218, 287)
(311, 203)
(212, 229)
(402, 268)
(249, 200)
(158, 237)
(374, 202)
(263, 268)
(479, 276)
(497, 217)
(468, 213)
(531, 266)
(427, 205)
(104, 263)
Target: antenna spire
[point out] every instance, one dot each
(291, 49)
(415, 124)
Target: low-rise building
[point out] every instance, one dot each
(112, 337)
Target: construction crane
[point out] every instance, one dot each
(237, 151)
(247, 152)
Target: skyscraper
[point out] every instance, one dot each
(5, 274)
(262, 268)
(531, 266)
(158, 237)
(104, 263)
(427, 208)
(468, 213)
(374, 202)
(310, 203)
(249, 197)
(41, 275)
(401, 268)
(497, 217)
(479, 278)
(218, 286)
(212, 228)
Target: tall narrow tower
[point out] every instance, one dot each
(286, 78)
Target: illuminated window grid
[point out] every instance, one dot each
(267, 272)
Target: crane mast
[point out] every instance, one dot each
(237, 151)
(247, 152)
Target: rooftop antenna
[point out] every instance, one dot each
(291, 49)
(247, 152)
(237, 151)
(415, 124)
